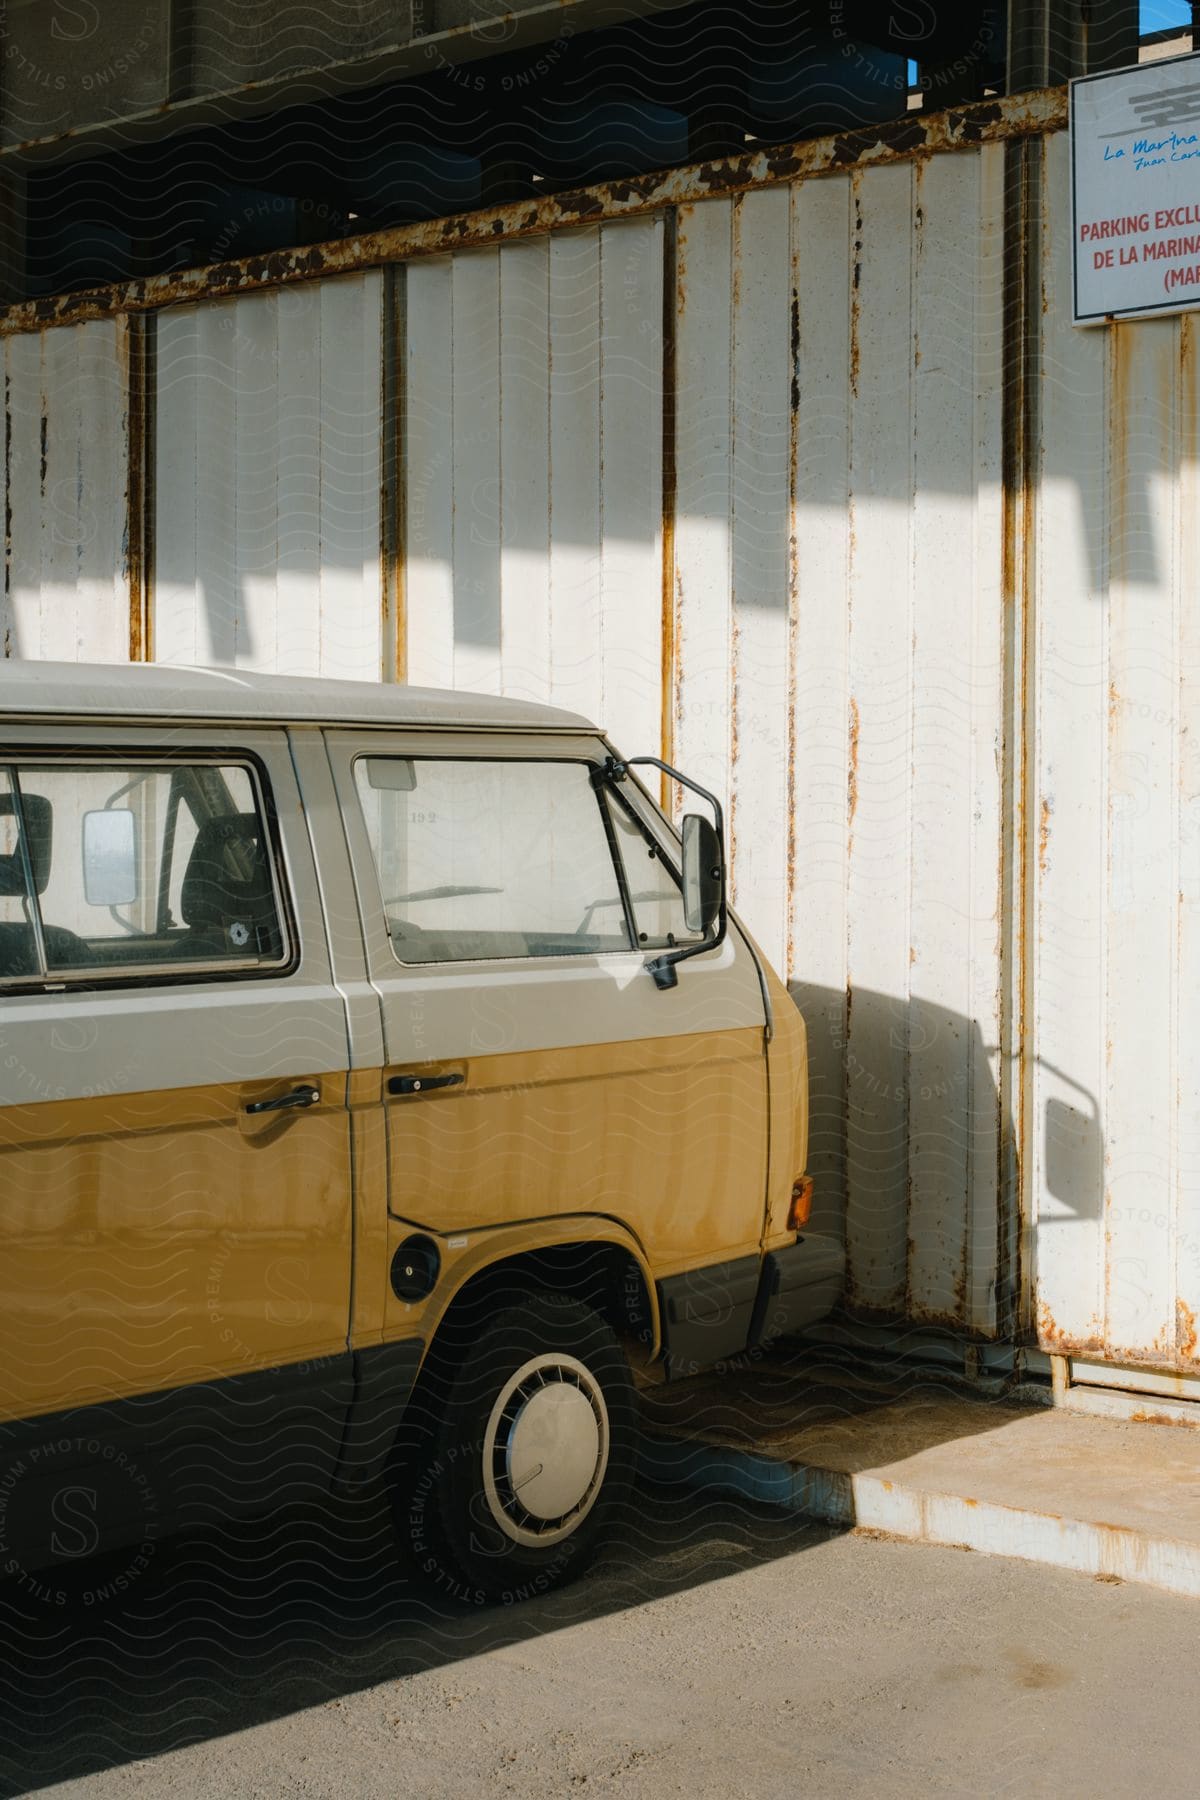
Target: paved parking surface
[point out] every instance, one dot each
(726, 1650)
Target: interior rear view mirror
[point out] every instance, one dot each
(703, 875)
(110, 857)
(392, 774)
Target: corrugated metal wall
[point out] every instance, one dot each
(840, 674)
(533, 473)
(1116, 1127)
(267, 481)
(67, 573)
(800, 593)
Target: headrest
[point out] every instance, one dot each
(39, 825)
(227, 877)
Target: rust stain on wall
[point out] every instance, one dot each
(1047, 809)
(855, 728)
(855, 287)
(1052, 1338)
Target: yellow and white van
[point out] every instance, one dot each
(382, 1078)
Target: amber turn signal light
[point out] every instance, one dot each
(801, 1208)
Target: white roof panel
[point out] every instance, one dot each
(162, 691)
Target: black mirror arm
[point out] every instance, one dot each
(664, 968)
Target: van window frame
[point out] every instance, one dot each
(17, 760)
(594, 770)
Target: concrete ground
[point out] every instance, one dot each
(727, 1650)
(919, 1458)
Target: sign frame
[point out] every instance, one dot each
(1114, 315)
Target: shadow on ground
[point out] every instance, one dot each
(272, 1616)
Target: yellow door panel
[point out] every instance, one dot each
(151, 1240)
(667, 1134)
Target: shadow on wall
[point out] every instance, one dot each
(915, 1159)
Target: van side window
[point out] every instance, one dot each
(479, 860)
(108, 869)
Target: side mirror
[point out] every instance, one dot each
(703, 874)
(702, 870)
(110, 857)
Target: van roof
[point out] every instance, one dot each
(167, 691)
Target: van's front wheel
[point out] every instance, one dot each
(521, 1474)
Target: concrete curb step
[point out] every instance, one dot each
(1091, 1525)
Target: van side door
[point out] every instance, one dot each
(532, 1067)
(175, 1187)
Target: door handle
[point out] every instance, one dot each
(421, 1084)
(299, 1097)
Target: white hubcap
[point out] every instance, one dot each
(545, 1450)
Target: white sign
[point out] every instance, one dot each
(1135, 174)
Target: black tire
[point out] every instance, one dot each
(541, 1375)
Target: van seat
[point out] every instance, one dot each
(227, 883)
(17, 953)
(18, 949)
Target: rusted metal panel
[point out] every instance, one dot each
(956, 677)
(915, 135)
(1114, 1126)
(631, 408)
(525, 469)
(429, 475)
(821, 760)
(1143, 882)
(839, 504)
(578, 461)
(68, 574)
(704, 399)
(534, 404)
(760, 421)
(882, 700)
(475, 448)
(1185, 1095)
(733, 533)
(267, 492)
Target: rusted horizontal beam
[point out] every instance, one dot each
(914, 135)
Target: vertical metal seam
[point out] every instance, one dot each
(149, 502)
(854, 346)
(549, 424)
(551, 612)
(730, 449)
(601, 512)
(1023, 315)
(1182, 335)
(393, 484)
(452, 472)
(969, 1306)
(916, 247)
(1185, 1319)
(141, 386)
(793, 593)
(1019, 760)
(8, 517)
(669, 497)
(500, 468)
(1114, 470)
